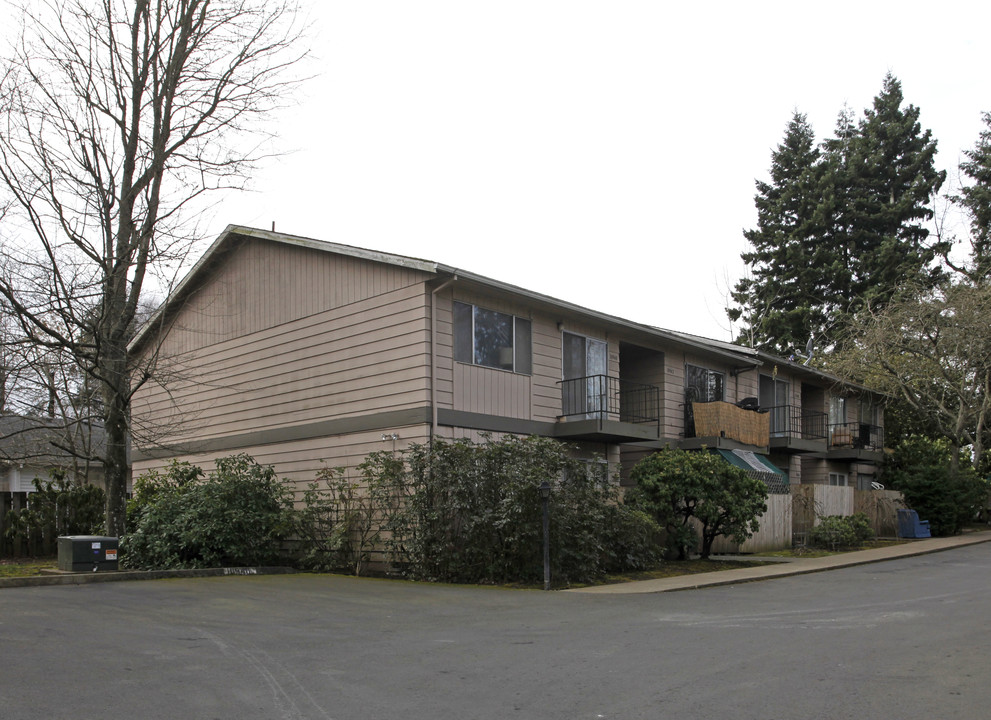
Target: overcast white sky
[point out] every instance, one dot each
(603, 153)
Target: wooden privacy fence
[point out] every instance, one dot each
(774, 532)
(811, 502)
(790, 516)
(13, 543)
(881, 509)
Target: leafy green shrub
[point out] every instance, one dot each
(839, 531)
(466, 512)
(154, 486)
(56, 507)
(676, 487)
(336, 526)
(237, 516)
(922, 469)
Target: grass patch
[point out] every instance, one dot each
(811, 552)
(26, 567)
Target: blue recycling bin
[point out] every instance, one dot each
(909, 525)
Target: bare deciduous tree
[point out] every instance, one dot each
(932, 350)
(118, 117)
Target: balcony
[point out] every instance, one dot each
(719, 424)
(796, 430)
(608, 409)
(856, 441)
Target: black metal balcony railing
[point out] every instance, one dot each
(790, 421)
(860, 436)
(608, 398)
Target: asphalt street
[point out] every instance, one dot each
(906, 638)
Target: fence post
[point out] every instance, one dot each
(545, 495)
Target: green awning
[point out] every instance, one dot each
(751, 461)
(758, 466)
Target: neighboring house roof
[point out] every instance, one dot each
(45, 441)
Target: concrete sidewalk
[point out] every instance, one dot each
(797, 566)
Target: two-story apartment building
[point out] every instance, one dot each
(301, 352)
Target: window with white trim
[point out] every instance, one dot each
(492, 339)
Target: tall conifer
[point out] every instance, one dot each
(841, 227)
(893, 182)
(773, 300)
(976, 199)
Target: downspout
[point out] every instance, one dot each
(433, 354)
(735, 374)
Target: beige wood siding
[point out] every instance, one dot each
(815, 471)
(546, 369)
(263, 284)
(491, 392)
(472, 388)
(444, 353)
(673, 396)
(298, 462)
(367, 355)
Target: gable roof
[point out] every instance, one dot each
(44, 441)
(740, 357)
(228, 239)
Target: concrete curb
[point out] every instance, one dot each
(86, 578)
(789, 569)
(682, 582)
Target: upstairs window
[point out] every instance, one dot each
(868, 413)
(703, 385)
(491, 339)
(837, 410)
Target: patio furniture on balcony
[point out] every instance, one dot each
(860, 436)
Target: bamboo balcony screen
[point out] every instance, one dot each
(723, 419)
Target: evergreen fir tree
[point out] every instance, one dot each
(976, 199)
(841, 227)
(893, 182)
(773, 302)
(835, 215)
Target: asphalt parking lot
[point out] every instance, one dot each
(906, 638)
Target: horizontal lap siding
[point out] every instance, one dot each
(491, 392)
(308, 378)
(299, 461)
(673, 402)
(471, 388)
(366, 356)
(546, 370)
(262, 285)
